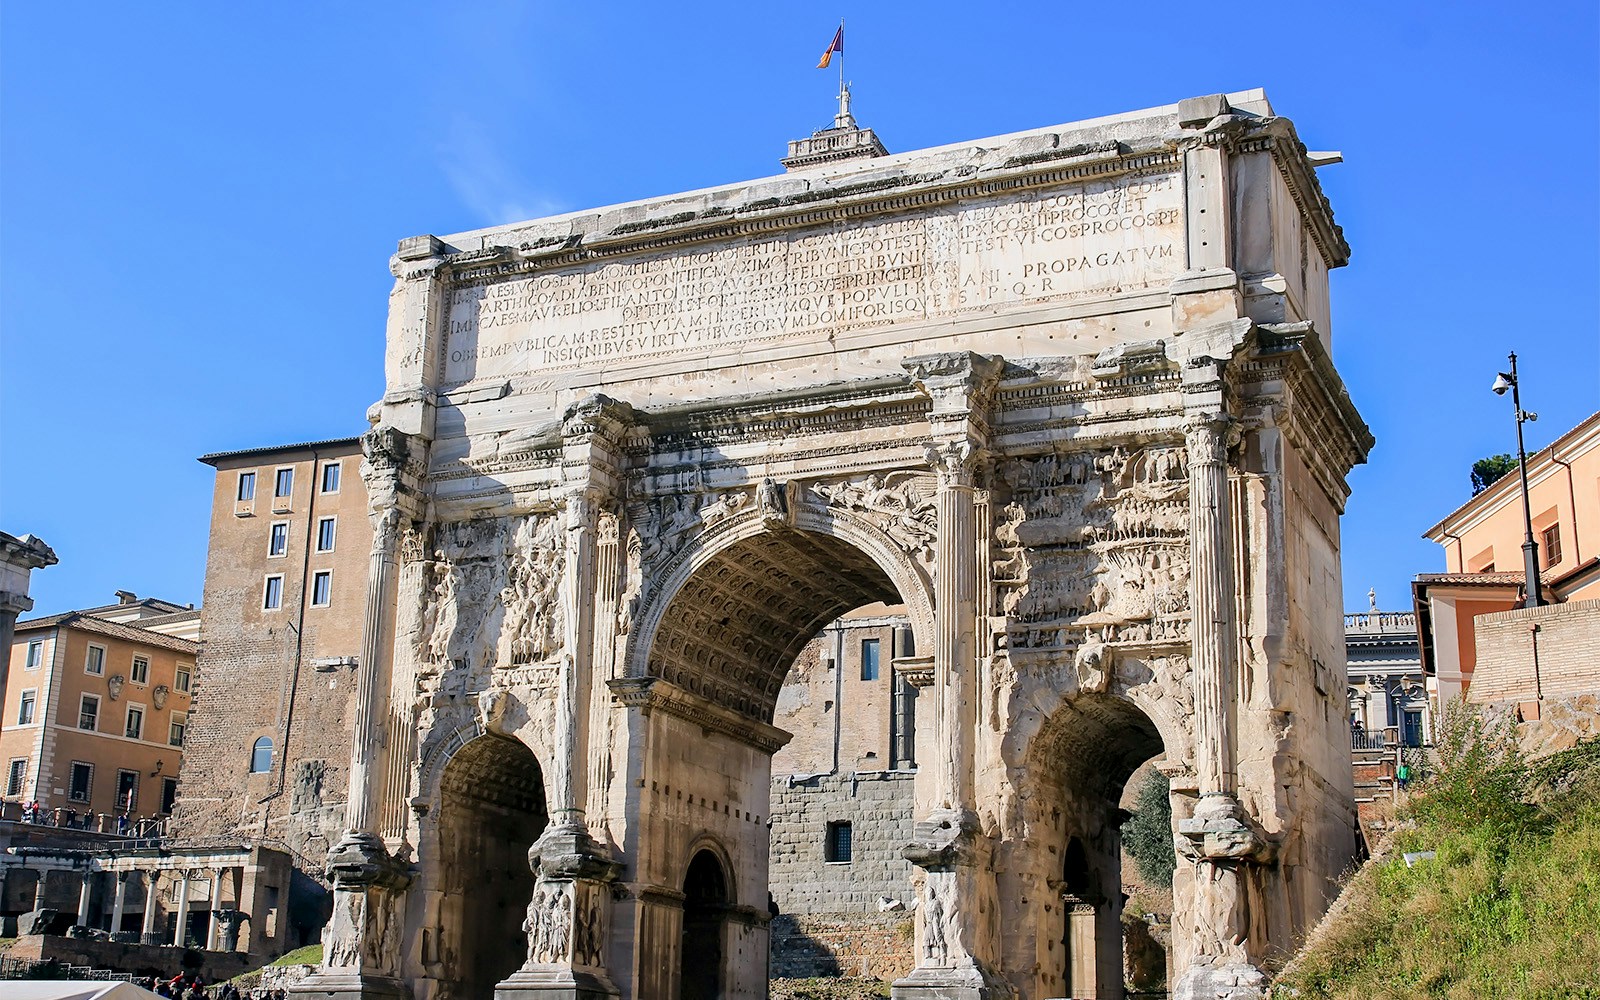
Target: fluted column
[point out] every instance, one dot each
(119, 902)
(85, 891)
(1213, 632)
(182, 929)
(569, 912)
(147, 931)
(955, 945)
(361, 957)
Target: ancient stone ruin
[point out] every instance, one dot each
(1065, 396)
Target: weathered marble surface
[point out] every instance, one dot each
(1065, 395)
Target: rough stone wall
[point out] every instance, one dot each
(831, 916)
(1566, 646)
(247, 681)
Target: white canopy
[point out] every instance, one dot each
(38, 989)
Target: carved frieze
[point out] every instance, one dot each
(1092, 547)
(900, 504)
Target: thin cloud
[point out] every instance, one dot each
(487, 185)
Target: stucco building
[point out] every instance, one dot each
(1482, 542)
(96, 711)
(286, 576)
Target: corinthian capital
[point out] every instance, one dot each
(1208, 437)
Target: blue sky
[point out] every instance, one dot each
(198, 201)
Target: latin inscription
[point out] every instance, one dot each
(1091, 239)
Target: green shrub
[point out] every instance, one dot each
(1147, 835)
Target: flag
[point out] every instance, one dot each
(837, 45)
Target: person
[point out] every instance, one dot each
(122, 824)
(1402, 774)
(163, 989)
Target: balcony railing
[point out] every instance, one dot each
(1380, 623)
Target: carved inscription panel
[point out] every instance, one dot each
(1096, 238)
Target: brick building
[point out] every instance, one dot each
(96, 712)
(286, 574)
(842, 802)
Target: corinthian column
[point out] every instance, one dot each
(1212, 633)
(568, 915)
(954, 947)
(1218, 840)
(362, 955)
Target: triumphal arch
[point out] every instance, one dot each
(1064, 395)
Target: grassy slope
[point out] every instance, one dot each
(1502, 912)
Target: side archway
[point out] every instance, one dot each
(491, 810)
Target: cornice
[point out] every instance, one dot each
(651, 694)
(813, 207)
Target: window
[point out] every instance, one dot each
(322, 589)
(127, 790)
(837, 849)
(284, 484)
(261, 756)
(1551, 543)
(330, 477)
(35, 654)
(82, 781)
(135, 727)
(140, 674)
(89, 712)
(180, 678)
(273, 598)
(869, 659)
(169, 793)
(176, 728)
(247, 486)
(25, 710)
(278, 539)
(95, 661)
(325, 528)
(16, 775)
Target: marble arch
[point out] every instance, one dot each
(1066, 393)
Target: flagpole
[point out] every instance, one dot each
(841, 59)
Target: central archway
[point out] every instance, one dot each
(708, 662)
(492, 809)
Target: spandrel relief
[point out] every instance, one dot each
(901, 504)
(1093, 548)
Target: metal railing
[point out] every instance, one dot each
(110, 824)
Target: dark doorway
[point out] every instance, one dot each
(492, 809)
(705, 909)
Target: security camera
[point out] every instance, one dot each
(1502, 382)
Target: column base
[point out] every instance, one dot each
(1233, 981)
(349, 986)
(948, 984)
(554, 984)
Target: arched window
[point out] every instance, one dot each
(261, 756)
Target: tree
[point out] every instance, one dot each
(1486, 470)
(1147, 835)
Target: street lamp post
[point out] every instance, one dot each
(1530, 548)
